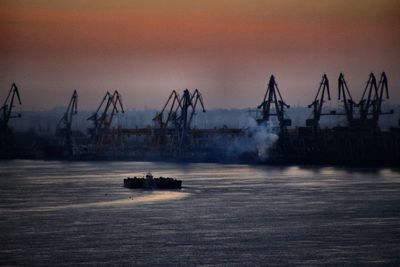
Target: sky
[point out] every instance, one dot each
(225, 48)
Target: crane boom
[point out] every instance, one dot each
(181, 110)
(64, 125)
(274, 97)
(368, 99)
(113, 103)
(348, 103)
(172, 105)
(95, 115)
(318, 102)
(379, 98)
(7, 108)
(196, 98)
(110, 105)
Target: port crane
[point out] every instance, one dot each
(367, 101)
(96, 115)
(370, 105)
(172, 105)
(196, 98)
(348, 102)
(188, 110)
(379, 98)
(63, 127)
(318, 103)
(180, 111)
(274, 97)
(110, 105)
(111, 110)
(170, 109)
(7, 108)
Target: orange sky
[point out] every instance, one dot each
(226, 48)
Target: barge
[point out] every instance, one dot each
(150, 182)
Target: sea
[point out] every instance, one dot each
(63, 213)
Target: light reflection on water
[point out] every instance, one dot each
(152, 197)
(225, 215)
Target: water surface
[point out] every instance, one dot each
(77, 213)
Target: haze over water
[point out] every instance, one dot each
(77, 213)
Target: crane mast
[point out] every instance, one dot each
(181, 111)
(188, 110)
(8, 106)
(172, 105)
(368, 100)
(110, 110)
(94, 132)
(370, 105)
(196, 98)
(64, 125)
(274, 97)
(110, 105)
(348, 103)
(379, 98)
(318, 102)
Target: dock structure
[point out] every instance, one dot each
(361, 141)
(174, 135)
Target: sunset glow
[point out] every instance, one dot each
(225, 48)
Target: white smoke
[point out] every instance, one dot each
(262, 136)
(257, 141)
